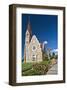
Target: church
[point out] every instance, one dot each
(33, 48)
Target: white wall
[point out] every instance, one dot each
(4, 44)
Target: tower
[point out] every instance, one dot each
(28, 36)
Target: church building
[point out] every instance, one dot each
(33, 48)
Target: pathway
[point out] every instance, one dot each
(53, 70)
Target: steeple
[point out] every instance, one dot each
(28, 33)
(29, 26)
(28, 36)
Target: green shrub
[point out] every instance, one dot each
(45, 62)
(40, 68)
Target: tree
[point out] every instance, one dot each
(49, 53)
(53, 54)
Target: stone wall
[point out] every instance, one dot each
(34, 52)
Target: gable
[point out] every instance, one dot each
(34, 40)
(34, 44)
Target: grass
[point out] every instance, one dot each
(30, 72)
(29, 69)
(26, 66)
(45, 62)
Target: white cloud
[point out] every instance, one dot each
(54, 50)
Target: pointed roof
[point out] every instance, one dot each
(34, 38)
(29, 26)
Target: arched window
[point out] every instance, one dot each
(33, 57)
(33, 48)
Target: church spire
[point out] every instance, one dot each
(29, 26)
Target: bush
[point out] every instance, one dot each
(46, 62)
(40, 68)
(46, 58)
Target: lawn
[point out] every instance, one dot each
(29, 69)
(26, 66)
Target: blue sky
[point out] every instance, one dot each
(44, 27)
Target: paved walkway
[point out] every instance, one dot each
(53, 70)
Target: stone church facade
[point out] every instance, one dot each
(33, 48)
